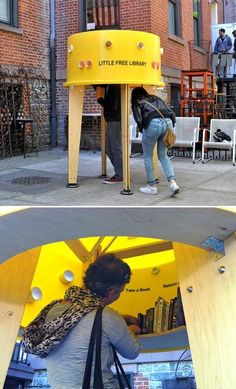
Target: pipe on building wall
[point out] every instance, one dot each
(53, 107)
(81, 15)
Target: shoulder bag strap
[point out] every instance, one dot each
(162, 116)
(98, 381)
(97, 327)
(121, 376)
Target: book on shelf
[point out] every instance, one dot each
(141, 321)
(150, 328)
(164, 316)
(162, 308)
(173, 319)
(170, 314)
(180, 318)
(148, 321)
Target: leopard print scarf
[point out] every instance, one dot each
(40, 337)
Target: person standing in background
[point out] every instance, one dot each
(222, 46)
(234, 54)
(223, 42)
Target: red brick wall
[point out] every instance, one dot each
(31, 47)
(135, 15)
(141, 381)
(66, 14)
(176, 54)
(220, 11)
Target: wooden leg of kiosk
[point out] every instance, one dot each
(76, 98)
(125, 108)
(103, 146)
(210, 312)
(16, 276)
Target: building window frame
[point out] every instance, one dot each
(174, 17)
(197, 23)
(101, 4)
(12, 13)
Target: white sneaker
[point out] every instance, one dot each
(174, 188)
(149, 190)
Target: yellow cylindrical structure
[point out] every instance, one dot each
(114, 57)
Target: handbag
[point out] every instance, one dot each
(169, 137)
(95, 343)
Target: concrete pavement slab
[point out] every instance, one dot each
(210, 184)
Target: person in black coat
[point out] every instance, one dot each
(148, 111)
(108, 96)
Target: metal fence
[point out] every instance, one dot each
(24, 94)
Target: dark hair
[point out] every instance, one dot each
(234, 32)
(221, 30)
(105, 273)
(138, 94)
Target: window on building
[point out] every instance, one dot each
(174, 20)
(102, 14)
(9, 12)
(197, 18)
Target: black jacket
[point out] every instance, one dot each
(144, 112)
(111, 103)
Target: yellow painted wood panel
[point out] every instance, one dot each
(76, 97)
(78, 248)
(210, 312)
(16, 276)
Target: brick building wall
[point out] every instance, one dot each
(151, 375)
(146, 15)
(27, 45)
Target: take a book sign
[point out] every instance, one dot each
(145, 287)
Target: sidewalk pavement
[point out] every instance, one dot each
(212, 184)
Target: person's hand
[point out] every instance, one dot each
(129, 319)
(134, 329)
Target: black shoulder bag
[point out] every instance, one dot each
(95, 342)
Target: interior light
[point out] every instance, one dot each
(35, 295)
(67, 277)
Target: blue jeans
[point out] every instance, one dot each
(152, 135)
(114, 147)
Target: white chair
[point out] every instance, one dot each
(187, 133)
(226, 125)
(135, 136)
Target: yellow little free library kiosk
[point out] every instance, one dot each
(47, 249)
(128, 58)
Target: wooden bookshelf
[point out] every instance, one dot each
(165, 341)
